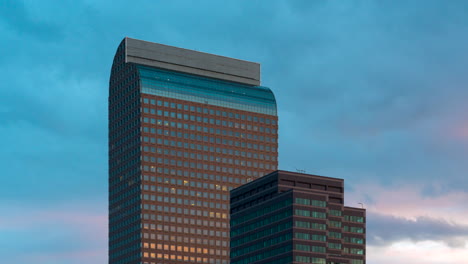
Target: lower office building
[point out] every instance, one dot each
(288, 217)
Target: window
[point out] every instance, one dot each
(335, 212)
(357, 219)
(302, 247)
(334, 245)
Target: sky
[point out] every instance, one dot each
(374, 92)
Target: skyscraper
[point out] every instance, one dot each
(185, 128)
(287, 217)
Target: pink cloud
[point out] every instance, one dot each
(24, 217)
(78, 257)
(84, 222)
(460, 131)
(406, 201)
(417, 253)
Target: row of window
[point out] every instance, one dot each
(252, 191)
(185, 238)
(354, 229)
(352, 218)
(261, 211)
(309, 213)
(266, 196)
(317, 203)
(122, 227)
(305, 259)
(187, 164)
(237, 241)
(124, 212)
(335, 224)
(307, 236)
(185, 220)
(191, 202)
(186, 183)
(216, 122)
(192, 146)
(126, 152)
(277, 260)
(188, 230)
(209, 111)
(204, 147)
(334, 245)
(335, 235)
(120, 116)
(357, 251)
(198, 156)
(122, 90)
(258, 224)
(354, 240)
(127, 163)
(310, 248)
(208, 98)
(193, 174)
(212, 261)
(264, 255)
(261, 245)
(149, 168)
(186, 249)
(174, 200)
(335, 212)
(126, 242)
(206, 204)
(123, 129)
(311, 225)
(180, 257)
(185, 211)
(127, 254)
(208, 139)
(207, 91)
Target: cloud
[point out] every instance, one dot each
(384, 230)
(53, 128)
(416, 253)
(413, 215)
(67, 233)
(411, 201)
(373, 92)
(381, 99)
(17, 16)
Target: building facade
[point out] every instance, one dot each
(287, 217)
(185, 128)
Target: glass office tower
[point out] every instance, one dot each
(185, 128)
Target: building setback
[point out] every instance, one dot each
(185, 128)
(288, 217)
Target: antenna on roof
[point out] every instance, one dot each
(300, 171)
(362, 205)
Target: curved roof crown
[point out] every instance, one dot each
(192, 62)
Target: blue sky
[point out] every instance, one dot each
(374, 92)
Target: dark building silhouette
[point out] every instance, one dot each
(287, 217)
(185, 128)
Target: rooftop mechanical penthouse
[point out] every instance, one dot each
(287, 217)
(185, 127)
